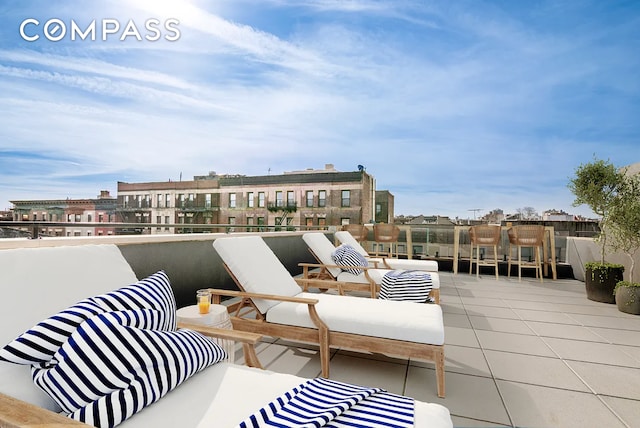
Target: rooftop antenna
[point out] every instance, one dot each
(269, 171)
(361, 168)
(475, 210)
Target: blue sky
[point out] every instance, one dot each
(451, 105)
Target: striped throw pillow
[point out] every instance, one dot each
(406, 285)
(117, 363)
(347, 256)
(40, 343)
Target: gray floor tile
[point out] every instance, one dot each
(594, 352)
(608, 321)
(491, 311)
(461, 359)
(466, 396)
(459, 422)
(509, 342)
(460, 336)
(456, 320)
(536, 406)
(386, 375)
(623, 382)
(620, 337)
(540, 371)
(627, 410)
(500, 324)
(564, 331)
(296, 361)
(483, 301)
(451, 308)
(544, 316)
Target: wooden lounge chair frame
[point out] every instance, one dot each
(321, 335)
(320, 272)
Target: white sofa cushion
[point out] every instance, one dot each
(264, 274)
(369, 317)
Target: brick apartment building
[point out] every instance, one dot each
(312, 198)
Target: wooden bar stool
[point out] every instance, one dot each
(484, 236)
(526, 236)
(386, 233)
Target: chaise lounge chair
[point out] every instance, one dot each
(272, 303)
(361, 279)
(347, 238)
(217, 396)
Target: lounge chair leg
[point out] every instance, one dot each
(250, 357)
(323, 340)
(439, 360)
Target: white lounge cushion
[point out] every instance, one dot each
(427, 265)
(377, 274)
(370, 317)
(320, 245)
(265, 274)
(227, 411)
(32, 279)
(323, 248)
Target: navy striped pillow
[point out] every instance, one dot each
(40, 343)
(346, 255)
(406, 285)
(117, 363)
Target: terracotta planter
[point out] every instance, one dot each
(628, 300)
(600, 285)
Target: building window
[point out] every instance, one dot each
(159, 199)
(378, 208)
(309, 198)
(181, 200)
(344, 221)
(159, 219)
(100, 218)
(322, 198)
(232, 221)
(261, 223)
(167, 200)
(322, 222)
(291, 200)
(126, 201)
(250, 202)
(89, 218)
(279, 200)
(207, 200)
(78, 218)
(261, 199)
(35, 216)
(232, 200)
(346, 198)
(308, 221)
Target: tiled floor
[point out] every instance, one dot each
(521, 354)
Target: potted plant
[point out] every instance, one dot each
(624, 231)
(597, 184)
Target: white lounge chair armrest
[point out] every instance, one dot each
(17, 413)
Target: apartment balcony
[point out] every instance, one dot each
(518, 353)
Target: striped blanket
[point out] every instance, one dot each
(406, 285)
(323, 402)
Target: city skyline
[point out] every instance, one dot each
(452, 106)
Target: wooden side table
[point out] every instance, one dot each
(217, 317)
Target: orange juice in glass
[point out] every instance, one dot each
(204, 301)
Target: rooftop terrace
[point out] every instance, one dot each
(517, 354)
